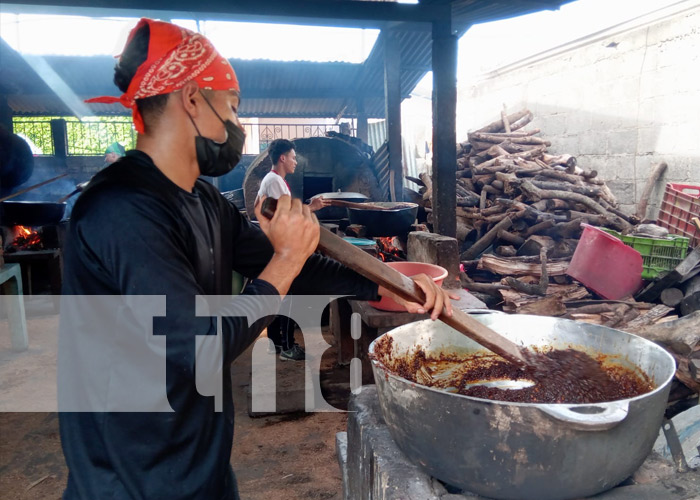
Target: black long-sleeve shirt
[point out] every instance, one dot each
(133, 233)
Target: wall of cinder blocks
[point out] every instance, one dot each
(620, 101)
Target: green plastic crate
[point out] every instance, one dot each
(658, 255)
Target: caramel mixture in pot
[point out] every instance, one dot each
(561, 376)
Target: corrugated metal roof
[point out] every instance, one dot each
(269, 88)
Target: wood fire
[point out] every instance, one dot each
(390, 249)
(25, 239)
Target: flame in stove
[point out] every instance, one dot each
(26, 239)
(389, 249)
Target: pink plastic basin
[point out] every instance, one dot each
(410, 269)
(606, 265)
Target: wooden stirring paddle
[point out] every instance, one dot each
(368, 205)
(403, 286)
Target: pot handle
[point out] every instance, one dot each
(593, 417)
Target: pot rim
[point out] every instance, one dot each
(658, 388)
(33, 202)
(443, 271)
(406, 205)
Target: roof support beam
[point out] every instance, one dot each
(392, 89)
(362, 125)
(444, 129)
(336, 13)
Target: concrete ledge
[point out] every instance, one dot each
(377, 469)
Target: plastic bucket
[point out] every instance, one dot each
(437, 273)
(606, 265)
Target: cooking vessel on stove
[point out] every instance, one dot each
(335, 213)
(525, 451)
(31, 213)
(378, 223)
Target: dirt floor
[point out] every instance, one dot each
(275, 457)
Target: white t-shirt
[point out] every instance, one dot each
(273, 186)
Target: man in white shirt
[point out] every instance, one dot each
(284, 162)
(274, 185)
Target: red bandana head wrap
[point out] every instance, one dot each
(175, 56)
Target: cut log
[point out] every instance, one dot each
(497, 126)
(535, 244)
(513, 299)
(687, 266)
(428, 183)
(513, 148)
(631, 218)
(521, 266)
(510, 237)
(482, 244)
(488, 288)
(506, 122)
(682, 336)
(467, 184)
(521, 122)
(514, 137)
(617, 316)
(593, 309)
(417, 181)
(671, 297)
(656, 173)
(566, 230)
(540, 227)
(549, 306)
(537, 194)
(691, 300)
(565, 248)
(649, 318)
(493, 152)
(563, 176)
(593, 219)
(463, 230)
(533, 289)
(587, 190)
(555, 205)
(506, 251)
(565, 160)
(540, 205)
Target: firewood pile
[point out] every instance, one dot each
(519, 216)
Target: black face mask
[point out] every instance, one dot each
(219, 158)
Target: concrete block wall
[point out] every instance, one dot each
(621, 101)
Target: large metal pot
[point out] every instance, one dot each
(378, 223)
(524, 450)
(31, 213)
(335, 213)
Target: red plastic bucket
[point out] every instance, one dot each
(606, 265)
(437, 273)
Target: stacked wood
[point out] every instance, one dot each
(506, 179)
(519, 215)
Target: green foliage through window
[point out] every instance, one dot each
(89, 137)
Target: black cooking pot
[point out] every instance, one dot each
(378, 223)
(335, 213)
(30, 213)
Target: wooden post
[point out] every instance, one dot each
(59, 135)
(444, 128)
(392, 93)
(362, 126)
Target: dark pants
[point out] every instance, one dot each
(281, 332)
